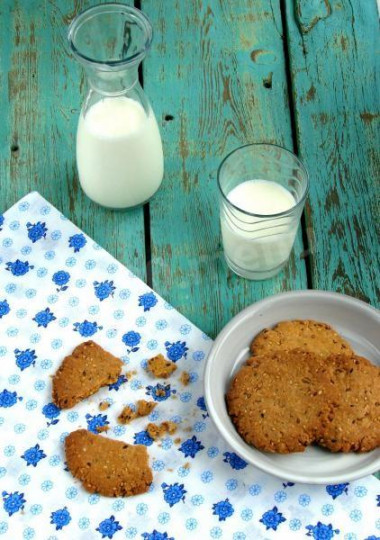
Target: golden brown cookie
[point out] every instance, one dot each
(276, 401)
(354, 424)
(311, 336)
(108, 467)
(82, 373)
(160, 367)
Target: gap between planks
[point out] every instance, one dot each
(293, 125)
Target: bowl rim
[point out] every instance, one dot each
(208, 388)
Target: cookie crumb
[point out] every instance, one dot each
(145, 407)
(177, 440)
(157, 431)
(103, 405)
(160, 367)
(126, 415)
(185, 378)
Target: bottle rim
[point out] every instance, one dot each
(135, 15)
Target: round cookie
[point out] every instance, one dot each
(311, 336)
(277, 401)
(354, 424)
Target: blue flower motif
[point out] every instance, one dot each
(191, 447)
(337, 489)
(19, 268)
(104, 289)
(147, 301)
(4, 308)
(61, 278)
(234, 460)
(173, 493)
(155, 535)
(1, 221)
(86, 328)
(8, 399)
(378, 500)
(51, 411)
(26, 358)
(202, 405)
(175, 351)
(304, 499)
(60, 518)
(160, 392)
(36, 231)
(131, 339)
(95, 422)
(116, 385)
(44, 317)
(13, 502)
(33, 455)
(272, 519)
(223, 509)
(77, 241)
(108, 527)
(320, 531)
(143, 437)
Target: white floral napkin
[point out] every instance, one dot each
(57, 289)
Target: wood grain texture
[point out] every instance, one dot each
(216, 78)
(335, 79)
(41, 91)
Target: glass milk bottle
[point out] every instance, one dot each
(119, 149)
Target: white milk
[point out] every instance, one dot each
(119, 153)
(258, 246)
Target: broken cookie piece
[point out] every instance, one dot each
(82, 373)
(160, 367)
(126, 415)
(143, 408)
(156, 431)
(106, 466)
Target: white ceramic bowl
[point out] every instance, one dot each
(356, 321)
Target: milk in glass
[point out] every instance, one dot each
(255, 235)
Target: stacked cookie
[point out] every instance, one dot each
(304, 384)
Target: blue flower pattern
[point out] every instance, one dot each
(148, 301)
(36, 231)
(108, 527)
(25, 359)
(104, 289)
(320, 531)
(33, 455)
(61, 278)
(192, 471)
(173, 493)
(13, 502)
(19, 268)
(60, 518)
(272, 519)
(4, 308)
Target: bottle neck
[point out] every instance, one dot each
(110, 82)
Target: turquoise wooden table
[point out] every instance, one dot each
(298, 73)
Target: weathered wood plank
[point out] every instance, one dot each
(335, 76)
(41, 91)
(216, 78)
